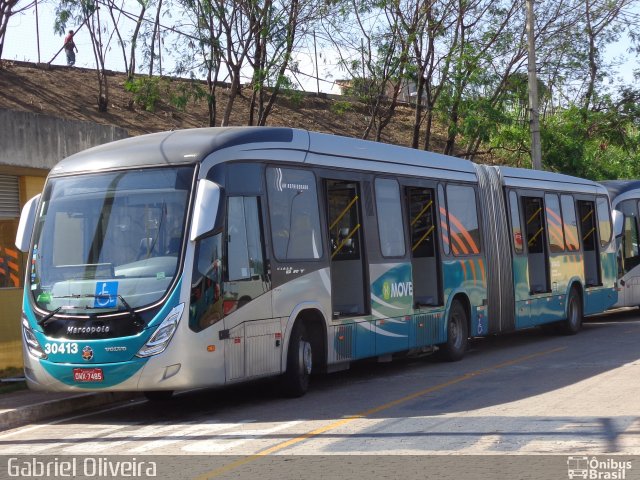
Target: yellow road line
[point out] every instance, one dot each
(339, 423)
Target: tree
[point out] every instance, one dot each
(88, 13)
(205, 43)
(9, 8)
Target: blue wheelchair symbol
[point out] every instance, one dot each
(106, 295)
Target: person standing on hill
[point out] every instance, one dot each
(69, 47)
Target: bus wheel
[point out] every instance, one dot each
(299, 363)
(457, 334)
(158, 395)
(573, 323)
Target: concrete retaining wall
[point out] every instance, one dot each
(40, 141)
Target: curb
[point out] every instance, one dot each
(62, 406)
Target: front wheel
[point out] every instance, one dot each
(573, 323)
(299, 363)
(457, 334)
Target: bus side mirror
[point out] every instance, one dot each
(27, 221)
(205, 209)
(618, 222)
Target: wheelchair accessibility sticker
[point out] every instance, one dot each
(106, 295)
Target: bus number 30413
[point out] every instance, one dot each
(53, 348)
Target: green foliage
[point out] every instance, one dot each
(147, 91)
(183, 92)
(340, 107)
(601, 145)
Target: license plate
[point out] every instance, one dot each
(88, 375)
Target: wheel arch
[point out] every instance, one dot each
(463, 299)
(316, 325)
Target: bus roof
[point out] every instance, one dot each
(192, 146)
(177, 147)
(619, 187)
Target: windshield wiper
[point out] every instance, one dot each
(43, 321)
(137, 320)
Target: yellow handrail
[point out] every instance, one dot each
(342, 214)
(534, 215)
(355, 229)
(533, 239)
(421, 212)
(423, 238)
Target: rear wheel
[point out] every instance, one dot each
(573, 323)
(299, 363)
(457, 333)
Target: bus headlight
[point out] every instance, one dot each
(31, 341)
(163, 334)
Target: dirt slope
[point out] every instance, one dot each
(71, 93)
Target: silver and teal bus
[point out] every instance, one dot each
(625, 199)
(213, 256)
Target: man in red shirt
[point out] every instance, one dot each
(69, 47)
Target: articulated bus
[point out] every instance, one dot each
(625, 198)
(208, 257)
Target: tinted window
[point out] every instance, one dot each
(244, 244)
(244, 178)
(532, 207)
(344, 220)
(515, 222)
(443, 223)
(293, 210)
(422, 222)
(206, 284)
(570, 223)
(604, 220)
(587, 225)
(390, 225)
(554, 224)
(463, 220)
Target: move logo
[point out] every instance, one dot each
(397, 290)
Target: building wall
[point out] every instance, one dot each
(31, 145)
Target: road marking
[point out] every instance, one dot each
(372, 411)
(68, 419)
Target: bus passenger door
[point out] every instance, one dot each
(424, 261)
(349, 289)
(537, 255)
(589, 235)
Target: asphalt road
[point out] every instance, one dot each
(525, 393)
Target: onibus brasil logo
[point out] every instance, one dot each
(593, 468)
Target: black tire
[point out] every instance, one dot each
(295, 381)
(158, 395)
(457, 334)
(573, 323)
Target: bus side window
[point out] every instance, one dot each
(555, 232)
(463, 220)
(390, 228)
(294, 214)
(604, 221)
(515, 223)
(571, 239)
(446, 245)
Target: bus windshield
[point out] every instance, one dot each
(110, 241)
